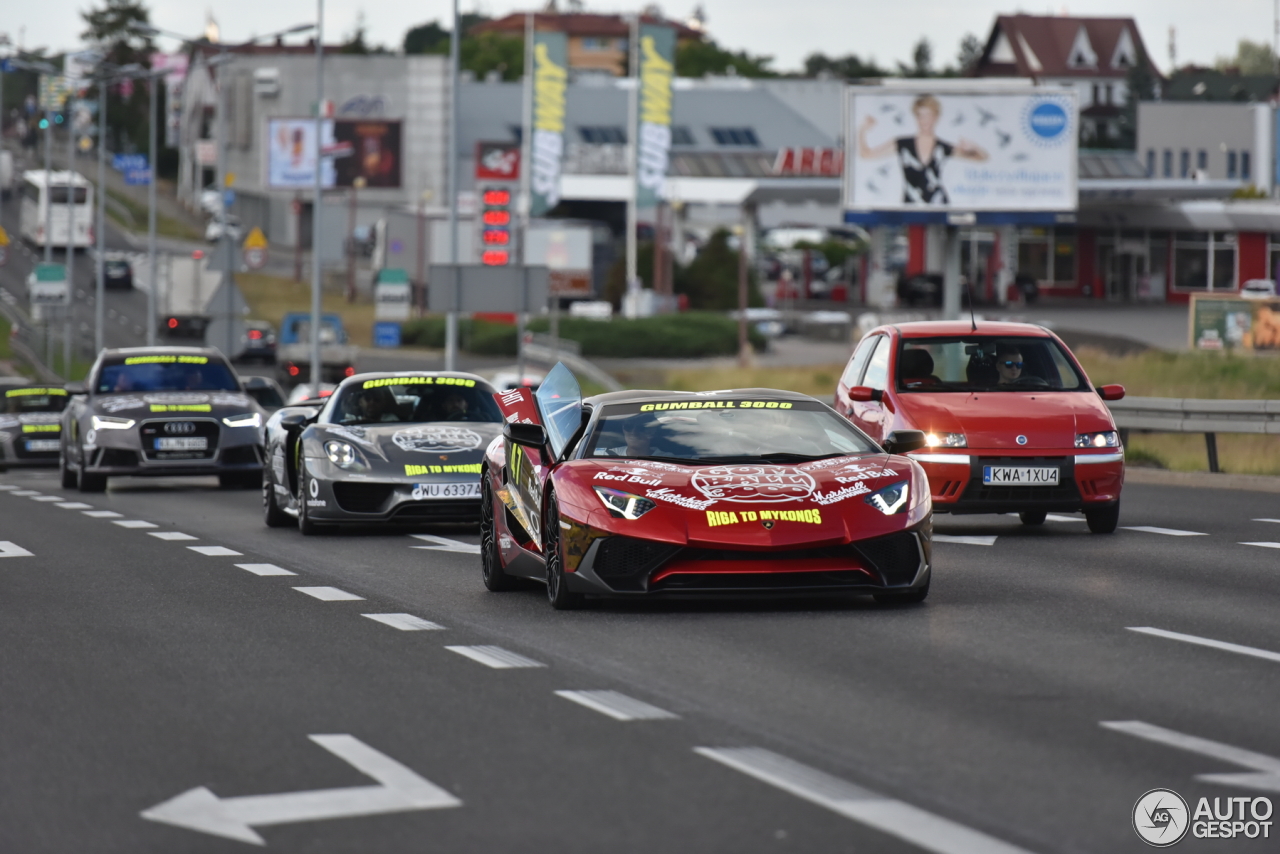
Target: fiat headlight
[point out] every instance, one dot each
(946, 440)
(1107, 439)
(108, 422)
(251, 419)
(891, 499)
(623, 505)
(341, 454)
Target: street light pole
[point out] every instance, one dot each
(100, 285)
(451, 319)
(317, 367)
(71, 249)
(48, 182)
(152, 320)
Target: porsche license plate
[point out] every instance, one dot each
(174, 443)
(1010, 476)
(43, 445)
(423, 491)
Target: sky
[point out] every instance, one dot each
(875, 29)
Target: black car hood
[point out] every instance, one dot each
(432, 443)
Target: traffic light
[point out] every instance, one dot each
(44, 124)
(495, 227)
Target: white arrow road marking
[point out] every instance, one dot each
(1168, 532)
(74, 505)
(495, 657)
(264, 569)
(976, 540)
(170, 536)
(8, 549)
(399, 789)
(216, 551)
(102, 514)
(1216, 644)
(329, 594)
(444, 544)
(620, 707)
(1263, 545)
(894, 817)
(405, 622)
(1265, 776)
(134, 523)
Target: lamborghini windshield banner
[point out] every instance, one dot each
(657, 69)
(550, 80)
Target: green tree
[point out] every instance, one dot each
(848, 67)
(109, 30)
(485, 52)
(921, 61)
(1141, 85)
(1252, 58)
(427, 38)
(711, 280)
(971, 48)
(703, 58)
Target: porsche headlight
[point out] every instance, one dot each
(341, 454)
(251, 419)
(946, 440)
(623, 505)
(108, 422)
(1106, 439)
(891, 499)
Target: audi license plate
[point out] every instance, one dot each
(174, 443)
(446, 490)
(40, 445)
(1008, 476)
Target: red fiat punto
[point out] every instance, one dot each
(1013, 424)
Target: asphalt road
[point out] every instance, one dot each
(137, 669)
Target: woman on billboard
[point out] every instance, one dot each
(923, 156)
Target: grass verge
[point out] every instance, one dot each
(166, 226)
(271, 297)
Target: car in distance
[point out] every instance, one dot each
(1012, 423)
(257, 343)
(160, 411)
(265, 391)
(220, 225)
(399, 448)
(740, 492)
(117, 274)
(30, 423)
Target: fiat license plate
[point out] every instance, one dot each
(174, 443)
(1009, 476)
(43, 445)
(446, 490)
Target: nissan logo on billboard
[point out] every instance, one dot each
(179, 428)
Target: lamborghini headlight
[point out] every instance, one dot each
(341, 454)
(108, 422)
(251, 419)
(890, 499)
(946, 440)
(623, 505)
(1107, 439)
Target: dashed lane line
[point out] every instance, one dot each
(1209, 642)
(1263, 545)
(1168, 532)
(7, 487)
(495, 657)
(74, 505)
(620, 707)
(8, 549)
(169, 536)
(264, 569)
(134, 523)
(25, 492)
(405, 622)
(1056, 517)
(329, 594)
(888, 815)
(444, 544)
(103, 514)
(46, 497)
(216, 551)
(1265, 769)
(975, 540)
(1277, 521)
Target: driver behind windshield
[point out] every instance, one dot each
(644, 437)
(370, 406)
(1009, 364)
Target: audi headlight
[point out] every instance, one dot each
(108, 422)
(891, 499)
(251, 419)
(623, 505)
(946, 440)
(1107, 439)
(341, 454)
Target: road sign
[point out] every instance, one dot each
(255, 239)
(84, 143)
(255, 259)
(137, 177)
(399, 789)
(4, 237)
(386, 334)
(7, 66)
(228, 197)
(47, 285)
(53, 91)
(125, 162)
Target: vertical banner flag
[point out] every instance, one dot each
(657, 68)
(550, 79)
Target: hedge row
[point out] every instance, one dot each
(670, 336)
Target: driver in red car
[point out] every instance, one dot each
(1008, 364)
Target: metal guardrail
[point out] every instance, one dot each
(1186, 415)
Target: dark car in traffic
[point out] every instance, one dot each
(117, 274)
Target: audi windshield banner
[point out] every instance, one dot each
(917, 149)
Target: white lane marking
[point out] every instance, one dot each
(329, 594)
(264, 569)
(1263, 545)
(444, 544)
(399, 789)
(620, 707)
(25, 492)
(1168, 532)
(8, 549)
(890, 816)
(1267, 520)
(170, 536)
(1055, 517)
(134, 523)
(405, 622)
(495, 657)
(74, 505)
(1216, 644)
(7, 487)
(974, 540)
(46, 498)
(1265, 770)
(102, 514)
(216, 551)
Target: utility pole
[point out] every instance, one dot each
(451, 319)
(152, 320)
(317, 368)
(224, 240)
(633, 152)
(100, 283)
(526, 191)
(71, 248)
(48, 177)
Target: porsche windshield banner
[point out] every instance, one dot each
(657, 70)
(550, 80)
